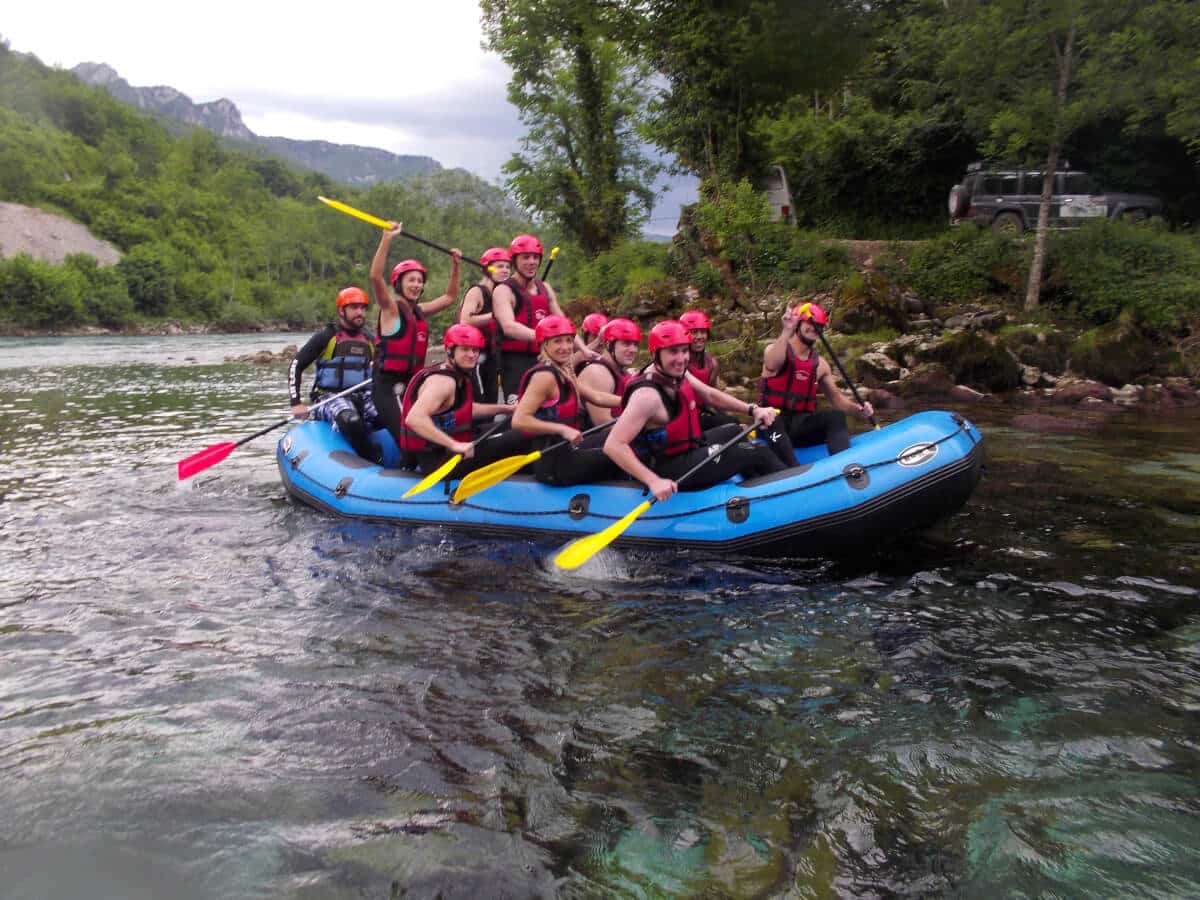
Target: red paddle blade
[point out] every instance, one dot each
(198, 462)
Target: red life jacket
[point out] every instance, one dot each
(402, 354)
(706, 371)
(528, 310)
(567, 410)
(456, 421)
(682, 431)
(794, 387)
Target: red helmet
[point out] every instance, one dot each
(462, 335)
(593, 323)
(694, 320)
(351, 295)
(668, 334)
(493, 255)
(525, 243)
(622, 330)
(553, 326)
(407, 265)
(812, 311)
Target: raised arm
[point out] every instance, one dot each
(775, 355)
(388, 312)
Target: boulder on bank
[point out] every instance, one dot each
(1042, 348)
(869, 304)
(265, 357)
(1116, 354)
(973, 360)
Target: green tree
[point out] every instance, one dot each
(729, 62)
(579, 94)
(1032, 73)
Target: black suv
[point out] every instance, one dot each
(1006, 198)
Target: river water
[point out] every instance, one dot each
(209, 691)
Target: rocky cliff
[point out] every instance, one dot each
(341, 162)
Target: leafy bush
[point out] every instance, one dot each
(620, 271)
(34, 294)
(1106, 267)
(105, 295)
(235, 317)
(964, 263)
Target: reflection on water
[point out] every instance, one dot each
(205, 687)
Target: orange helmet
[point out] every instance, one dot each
(553, 326)
(351, 296)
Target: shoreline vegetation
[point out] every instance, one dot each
(214, 240)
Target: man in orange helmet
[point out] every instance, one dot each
(343, 352)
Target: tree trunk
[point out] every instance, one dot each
(1033, 290)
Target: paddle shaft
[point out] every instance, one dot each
(550, 263)
(386, 226)
(837, 362)
(317, 405)
(560, 444)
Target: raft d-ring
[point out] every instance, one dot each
(578, 507)
(297, 459)
(343, 486)
(737, 510)
(856, 476)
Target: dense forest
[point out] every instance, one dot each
(874, 110)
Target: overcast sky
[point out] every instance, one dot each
(408, 77)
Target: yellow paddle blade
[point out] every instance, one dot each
(494, 473)
(357, 213)
(579, 551)
(433, 477)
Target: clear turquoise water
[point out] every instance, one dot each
(208, 691)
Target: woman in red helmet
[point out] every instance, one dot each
(440, 411)
(343, 353)
(518, 305)
(791, 374)
(592, 328)
(658, 435)
(610, 372)
(550, 408)
(402, 330)
(703, 364)
(476, 310)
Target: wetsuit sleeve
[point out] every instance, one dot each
(304, 358)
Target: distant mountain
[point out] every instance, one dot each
(341, 162)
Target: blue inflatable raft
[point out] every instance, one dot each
(891, 481)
